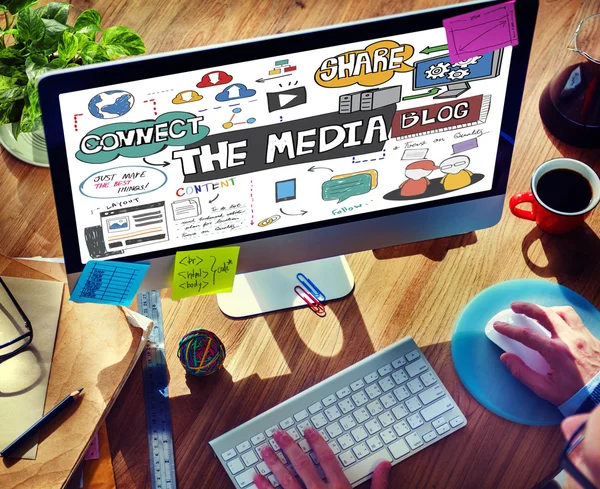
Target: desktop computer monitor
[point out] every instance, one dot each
(295, 147)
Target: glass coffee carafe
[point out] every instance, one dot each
(570, 104)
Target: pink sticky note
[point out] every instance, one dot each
(481, 31)
(93, 453)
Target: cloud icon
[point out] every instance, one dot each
(187, 96)
(214, 78)
(235, 91)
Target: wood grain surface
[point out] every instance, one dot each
(417, 289)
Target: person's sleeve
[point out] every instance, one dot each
(584, 400)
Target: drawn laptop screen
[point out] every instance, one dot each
(354, 129)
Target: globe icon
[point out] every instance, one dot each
(111, 104)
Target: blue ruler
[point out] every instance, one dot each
(156, 396)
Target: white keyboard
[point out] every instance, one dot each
(388, 406)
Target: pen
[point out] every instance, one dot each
(67, 401)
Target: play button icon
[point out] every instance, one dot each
(286, 99)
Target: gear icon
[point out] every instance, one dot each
(437, 71)
(458, 74)
(466, 62)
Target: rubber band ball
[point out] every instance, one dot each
(201, 352)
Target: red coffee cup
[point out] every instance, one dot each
(551, 220)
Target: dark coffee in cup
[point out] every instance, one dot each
(565, 190)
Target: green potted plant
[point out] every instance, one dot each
(35, 41)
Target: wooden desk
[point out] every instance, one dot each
(416, 289)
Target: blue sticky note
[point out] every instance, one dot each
(109, 282)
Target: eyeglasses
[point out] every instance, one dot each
(568, 465)
(575, 39)
(15, 328)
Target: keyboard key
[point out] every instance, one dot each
(375, 408)
(438, 422)
(374, 443)
(293, 432)
(302, 426)
(373, 426)
(428, 378)
(361, 415)
(373, 391)
(415, 386)
(346, 458)
(319, 420)
(359, 384)
(443, 429)
(315, 408)
(242, 447)
(427, 437)
(249, 458)
(259, 449)
(431, 394)
(401, 393)
(386, 384)
(386, 419)
(333, 413)
(400, 411)
(372, 377)
(415, 421)
(286, 423)
(324, 435)
(361, 450)
(301, 415)
(413, 404)
(273, 480)
(400, 376)
(401, 428)
(414, 441)
(334, 430)
(359, 433)
(416, 368)
(360, 398)
(388, 400)
(347, 422)
(313, 457)
(399, 362)
(245, 478)
(263, 468)
(274, 444)
(366, 466)
(235, 466)
(271, 430)
(345, 441)
(346, 406)
(343, 392)
(437, 408)
(335, 448)
(281, 458)
(229, 454)
(256, 439)
(412, 355)
(399, 449)
(329, 400)
(303, 444)
(386, 369)
(388, 436)
(456, 422)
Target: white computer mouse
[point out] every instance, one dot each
(531, 357)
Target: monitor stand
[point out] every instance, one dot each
(454, 90)
(273, 289)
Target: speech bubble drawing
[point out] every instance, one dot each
(341, 189)
(122, 181)
(140, 139)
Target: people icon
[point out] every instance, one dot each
(455, 174)
(417, 174)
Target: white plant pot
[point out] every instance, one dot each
(29, 147)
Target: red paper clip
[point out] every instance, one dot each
(310, 299)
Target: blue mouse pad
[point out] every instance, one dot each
(477, 359)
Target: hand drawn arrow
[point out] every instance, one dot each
(433, 91)
(313, 168)
(211, 201)
(262, 80)
(166, 163)
(301, 213)
(435, 49)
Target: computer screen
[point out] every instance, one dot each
(282, 137)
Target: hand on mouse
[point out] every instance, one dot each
(572, 352)
(305, 468)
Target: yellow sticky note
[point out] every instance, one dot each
(204, 272)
